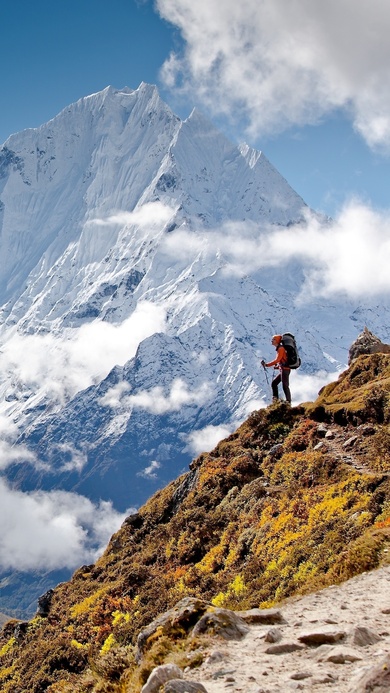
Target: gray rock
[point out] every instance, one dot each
(363, 636)
(183, 686)
(377, 678)
(367, 343)
(44, 603)
(322, 430)
(366, 429)
(350, 442)
(320, 446)
(300, 675)
(215, 656)
(180, 618)
(343, 655)
(161, 675)
(276, 451)
(322, 637)
(273, 635)
(284, 648)
(223, 622)
(266, 617)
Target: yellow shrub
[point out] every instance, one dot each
(87, 603)
(108, 644)
(7, 647)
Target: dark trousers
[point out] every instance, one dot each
(284, 378)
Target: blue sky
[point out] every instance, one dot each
(313, 114)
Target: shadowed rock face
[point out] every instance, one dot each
(367, 343)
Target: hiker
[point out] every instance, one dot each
(280, 365)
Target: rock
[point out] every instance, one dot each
(223, 622)
(161, 675)
(215, 656)
(44, 603)
(320, 446)
(322, 430)
(329, 435)
(363, 636)
(325, 678)
(300, 675)
(20, 630)
(366, 429)
(375, 680)
(267, 617)
(284, 648)
(273, 635)
(276, 451)
(322, 637)
(367, 343)
(343, 655)
(222, 672)
(350, 442)
(182, 617)
(183, 686)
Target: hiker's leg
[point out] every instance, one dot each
(274, 386)
(286, 384)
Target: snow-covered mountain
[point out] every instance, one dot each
(131, 323)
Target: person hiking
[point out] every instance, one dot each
(280, 365)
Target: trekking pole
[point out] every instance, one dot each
(266, 374)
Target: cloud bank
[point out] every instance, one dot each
(61, 367)
(285, 63)
(349, 256)
(46, 531)
(156, 400)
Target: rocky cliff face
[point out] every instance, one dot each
(294, 500)
(367, 343)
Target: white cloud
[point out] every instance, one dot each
(205, 439)
(144, 217)
(114, 395)
(61, 367)
(10, 453)
(283, 63)
(75, 460)
(350, 255)
(305, 388)
(156, 400)
(150, 471)
(46, 531)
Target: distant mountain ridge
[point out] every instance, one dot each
(125, 336)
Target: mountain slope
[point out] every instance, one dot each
(134, 311)
(296, 499)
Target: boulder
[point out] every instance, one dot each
(222, 622)
(161, 675)
(181, 618)
(183, 686)
(367, 343)
(266, 617)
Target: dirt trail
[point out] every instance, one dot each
(362, 603)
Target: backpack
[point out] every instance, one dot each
(290, 345)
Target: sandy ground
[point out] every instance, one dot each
(245, 665)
